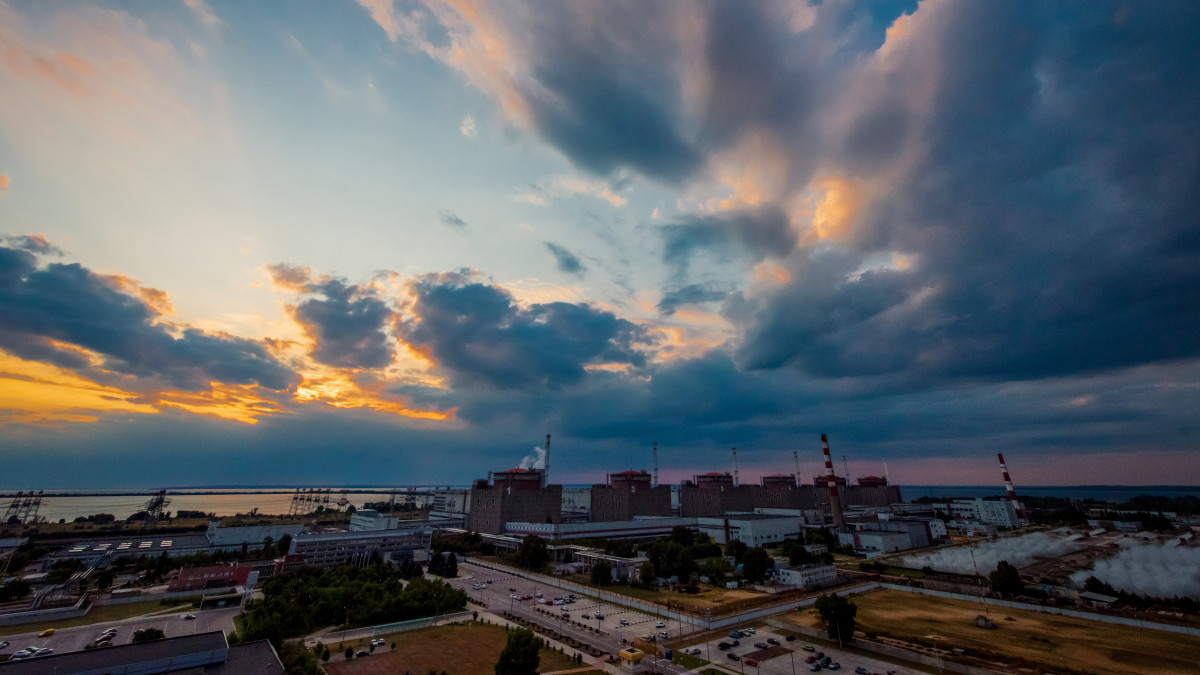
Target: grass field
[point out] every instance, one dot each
(98, 614)
(1032, 639)
(466, 649)
(709, 596)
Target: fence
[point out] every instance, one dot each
(415, 624)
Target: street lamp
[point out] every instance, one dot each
(936, 652)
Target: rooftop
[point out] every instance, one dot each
(205, 653)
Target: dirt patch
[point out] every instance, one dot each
(1032, 639)
(466, 649)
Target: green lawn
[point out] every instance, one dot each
(98, 614)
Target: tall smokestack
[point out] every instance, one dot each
(1008, 486)
(655, 463)
(796, 461)
(546, 464)
(735, 468)
(835, 501)
(887, 477)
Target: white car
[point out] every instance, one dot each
(694, 651)
(513, 596)
(660, 624)
(624, 622)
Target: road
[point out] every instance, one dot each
(171, 623)
(496, 596)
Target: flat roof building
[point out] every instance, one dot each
(207, 653)
(357, 548)
(516, 495)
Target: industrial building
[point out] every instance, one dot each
(516, 495)
(635, 528)
(253, 535)
(357, 548)
(368, 520)
(994, 512)
(213, 576)
(627, 495)
(752, 529)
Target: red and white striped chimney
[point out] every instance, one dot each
(835, 501)
(1008, 486)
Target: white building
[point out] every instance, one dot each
(807, 576)
(369, 520)
(752, 529)
(448, 502)
(876, 541)
(997, 512)
(638, 528)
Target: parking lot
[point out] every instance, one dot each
(786, 657)
(777, 659)
(172, 623)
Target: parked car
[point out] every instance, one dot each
(772, 641)
(862, 671)
(660, 624)
(723, 646)
(790, 638)
(748, 631)
(599, 615)
(3, 644)
(751, 662)
(810, 659)
(736, 643)
(834, 666)
(734, 657)
(21, 654)
(663, 634)
(815, 667)
(188, 616)
(363, 652)
(42, 651)
(735, 634)
(808, 648)
(624, 622)
(760, 645)
(694, 651)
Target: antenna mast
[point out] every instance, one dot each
(655, 463)
(735, 468)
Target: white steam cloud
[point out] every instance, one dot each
(535, 461)
(1018, 551)
(1162, 571)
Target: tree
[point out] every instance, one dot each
(646, 573)
(146, 635)
(735, 549)
(284, 545)
(533, 553)
(14, 590)
(297, 660)
(520, 655)
(682, 536)
(349, 653)
(325, 655)
(1006, 580)
(601, 573)
(838, 614)
(755, 563)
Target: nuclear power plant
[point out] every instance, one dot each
(631, 503)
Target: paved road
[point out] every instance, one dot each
(496, 595)
(171, 623)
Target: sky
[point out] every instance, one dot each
(390, 242)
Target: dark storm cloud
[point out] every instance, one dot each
(452, 220)
(71, 304)
(1051, 223)
(34, 243)
(346, 322)
(567, 261)
(759, 233)
(479, 334)
(603, 89)
(692, 294)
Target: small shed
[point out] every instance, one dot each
(1097, 599)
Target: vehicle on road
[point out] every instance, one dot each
(808, 648)
(188, 616)
(736, 643)
(21, 654)
(660, 624)
(735, 634)
(747, 631)
(46, 633)
(3, 644)
(512, 590)
(663, 634)
(599, 615)
(862, 671)
(723, 646)
(694, 651)
(812, 659)
(815, 667)
(834, 666)
(363, 652)
(790, 638)
(378, 642)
